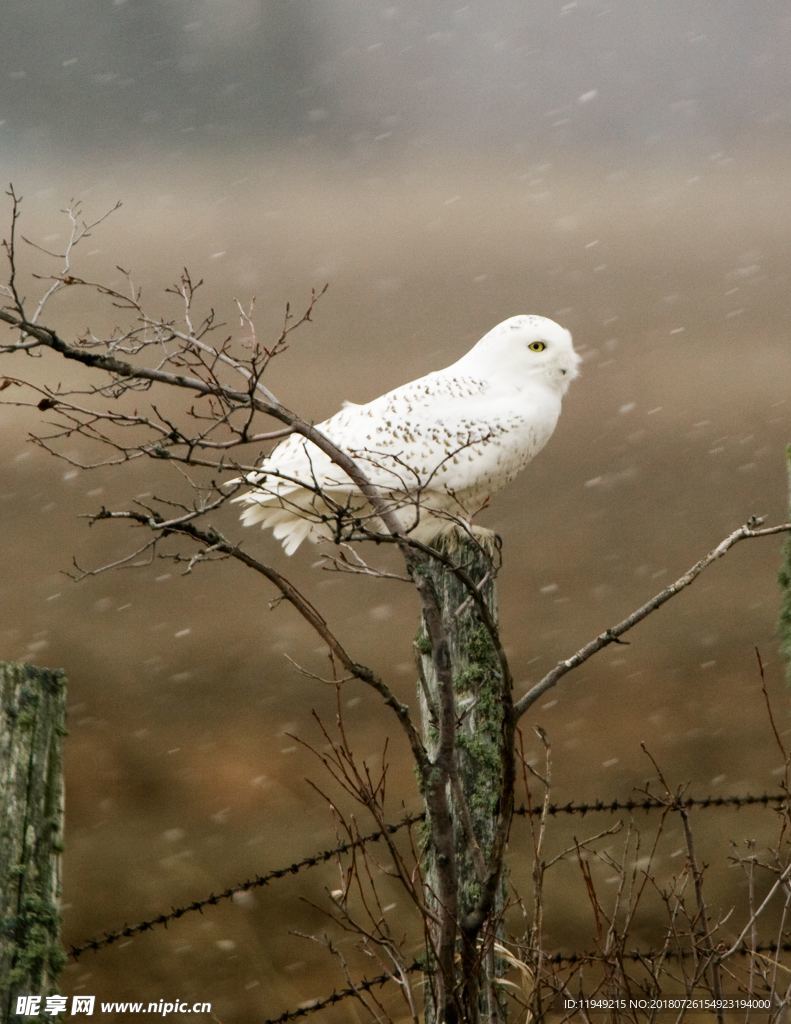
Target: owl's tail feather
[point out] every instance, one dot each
(286, 524)
(291, 534)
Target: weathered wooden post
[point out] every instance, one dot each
(483, 758)
(32, 726)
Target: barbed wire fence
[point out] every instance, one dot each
(109, 938)
(646, 804)
(635, 955)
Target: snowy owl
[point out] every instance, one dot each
(435, 449)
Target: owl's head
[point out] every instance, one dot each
(528, 347)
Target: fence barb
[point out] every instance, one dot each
(647, 803)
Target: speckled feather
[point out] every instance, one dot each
(436, 448)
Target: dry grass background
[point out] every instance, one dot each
(181, 777)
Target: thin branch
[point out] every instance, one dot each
(216, 542)
(779, 882)
(751, 529)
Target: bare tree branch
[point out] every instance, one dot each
(751, 529)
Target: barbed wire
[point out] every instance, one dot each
(108, 938)
(647, 803)
(365, 985)
(642, 955)
(555, 959)
(655, 803)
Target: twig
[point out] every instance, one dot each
(751, 529)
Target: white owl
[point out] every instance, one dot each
(436, 448)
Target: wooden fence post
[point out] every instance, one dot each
(32, 726)
(481, 758)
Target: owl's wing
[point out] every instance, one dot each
(403, 440)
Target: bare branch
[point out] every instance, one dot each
(214, 541)
(751, 529)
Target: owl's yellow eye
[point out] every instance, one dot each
(537, 346)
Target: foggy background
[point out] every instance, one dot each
(620, 167)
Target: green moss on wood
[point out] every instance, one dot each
(38, 958)
(480, 705)
(32, 712)
(422, 643)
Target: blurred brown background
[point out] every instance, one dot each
(621, 168)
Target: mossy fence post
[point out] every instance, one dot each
(480, 759)
(32, 726)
